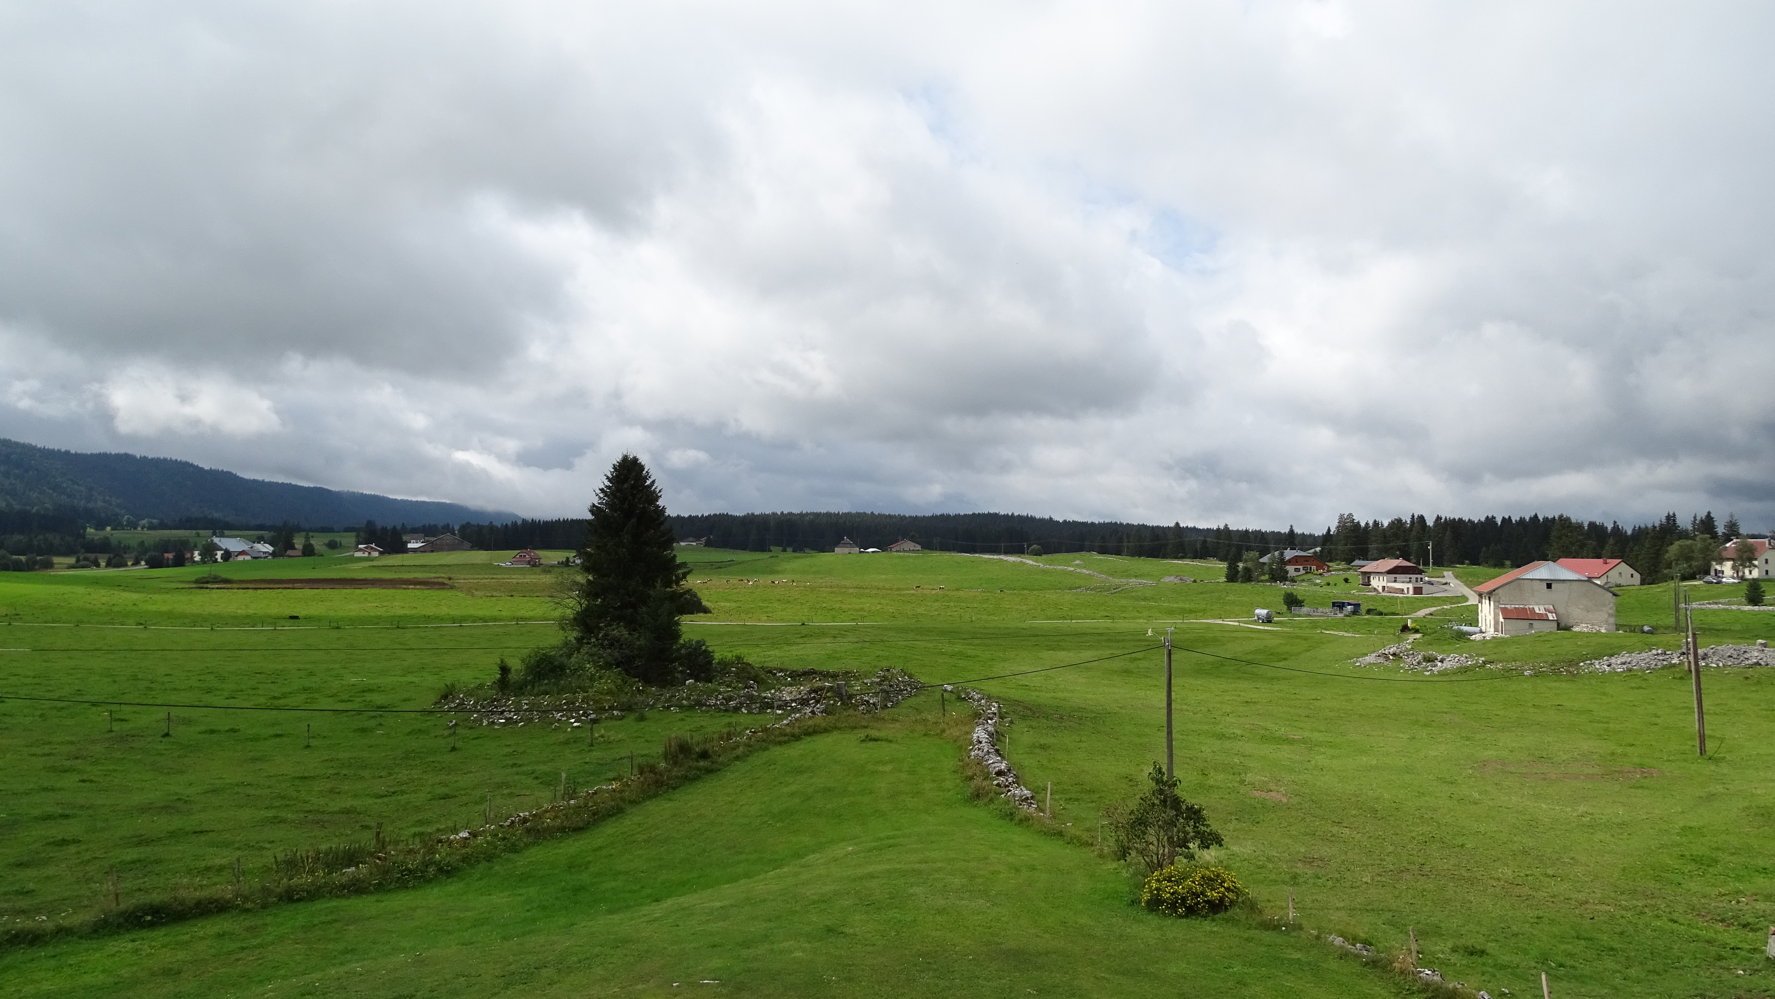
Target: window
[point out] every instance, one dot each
(1548, 585)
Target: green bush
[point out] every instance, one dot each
(1160, 826)
(1191, 890)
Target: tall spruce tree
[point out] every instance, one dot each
(627, 605)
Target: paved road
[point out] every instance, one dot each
(1472, 598)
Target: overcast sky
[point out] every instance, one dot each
(1253, 262)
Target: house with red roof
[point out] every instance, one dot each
(1394, 575)
(1725, 561)
(1607, 571)
(1297, 562)
(1544, 596)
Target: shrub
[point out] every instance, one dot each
(1191, 890)
(1160, 826)
(694, 660)
(1291, 599)
(547, 669)
(1753, 592)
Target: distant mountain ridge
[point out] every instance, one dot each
(107, 487)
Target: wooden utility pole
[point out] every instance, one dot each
(1695, 678)
(1170, 770)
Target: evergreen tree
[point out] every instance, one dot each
(627, 606)
(1753, 592)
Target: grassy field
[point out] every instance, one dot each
(835, 866)
(1518, 820)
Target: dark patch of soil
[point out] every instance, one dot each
(335, 584)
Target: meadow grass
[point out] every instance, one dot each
(98, 790)
(1518, 818)
(838, 865)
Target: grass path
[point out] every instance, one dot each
(842, 865)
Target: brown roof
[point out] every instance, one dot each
(1594, 568)
(1528, 612)
(1492, 584)
(1728, 551)
(1392, 565)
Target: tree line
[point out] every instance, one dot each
(1669, 548)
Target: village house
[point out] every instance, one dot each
(1607, 571)
(904, 545)
(526, 556)
(1725, 561)
(367, 551)
(1394, 575)
(1297, 562)
(845, 546)
(1544, 596)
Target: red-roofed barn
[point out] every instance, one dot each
(1520, 601)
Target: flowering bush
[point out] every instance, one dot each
(1190, 890)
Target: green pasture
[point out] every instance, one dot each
(96, 787)
(476, 588)
(841, 865)
(1520, 818)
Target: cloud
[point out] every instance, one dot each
(151, 400)
(1201, 263)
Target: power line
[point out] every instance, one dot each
(1042, 669)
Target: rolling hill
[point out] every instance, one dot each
(108, 487)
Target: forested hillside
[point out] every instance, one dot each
(107, 488)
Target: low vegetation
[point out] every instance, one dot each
(1514, 818)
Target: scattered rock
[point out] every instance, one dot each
(1713, 655)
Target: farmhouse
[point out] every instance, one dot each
(1394, 575)
(441, 543)
(1607, 571)
(904, 545)
(526, 556)
(845, 546)
(1297, 562)
(233, 548)
(367, 551)
(1725, 561)
(1544, 596)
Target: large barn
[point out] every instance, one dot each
(1544, 596)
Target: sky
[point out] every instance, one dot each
(1256, 263)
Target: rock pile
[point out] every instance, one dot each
(1402, 655)
(792, 701)
(984, 747)
(1713, 655)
